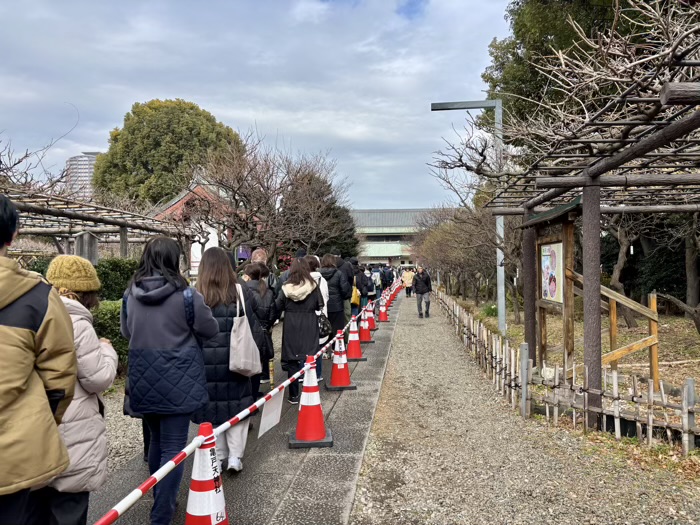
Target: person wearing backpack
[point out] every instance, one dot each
(229, 392)
(377, 279)
(322, 286)
(264, 312)
(371, 287)
(162, 318)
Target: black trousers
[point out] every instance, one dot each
(48, 506)
(13, 507)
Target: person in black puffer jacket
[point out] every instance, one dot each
(339, 291)
(266, 314)
(229, 393)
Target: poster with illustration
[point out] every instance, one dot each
(551, 263)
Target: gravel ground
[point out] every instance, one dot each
(123, 432)
(437, 455)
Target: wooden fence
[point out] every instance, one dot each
(623, 401)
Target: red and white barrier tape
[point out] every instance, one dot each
(120, 508)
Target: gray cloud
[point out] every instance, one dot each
(353, 77)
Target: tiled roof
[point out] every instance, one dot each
(387, 218)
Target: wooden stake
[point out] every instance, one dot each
(669, 434)
(556, 395)
(654, 349)
(585, 399)
(650, 411)
(635, 395)
(690, 387)
(613, 329)
(513, 375)
(616, 405)
(685, 437)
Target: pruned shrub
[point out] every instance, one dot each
(106, 323)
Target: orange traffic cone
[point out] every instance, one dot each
(354, 348)
(370, 318)
(340, 373)
(365, 334)
(311, 427)
(383, 316)
(205, 503)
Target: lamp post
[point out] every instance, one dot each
(497, 105)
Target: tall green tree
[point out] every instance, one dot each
(151, 158)
(537, 27)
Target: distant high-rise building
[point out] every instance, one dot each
(79, 170)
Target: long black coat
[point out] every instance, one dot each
(361, 281)
(339, 289)
(229, 393)
(266, 313)
(300, 327)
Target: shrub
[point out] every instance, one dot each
(40, 264)
(490, 310)
(106, 323)
(115, 275)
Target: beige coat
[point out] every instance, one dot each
(83, 428)
(407, 278)
(37, 378)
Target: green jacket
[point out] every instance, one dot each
(37, 378)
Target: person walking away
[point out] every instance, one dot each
(339, 291)
(407, 278)
(229, 392)
(65, 500)
(37, 377)
(322, 284)
(162, 318)
(300, 300)
(264, 311)
(422, 287)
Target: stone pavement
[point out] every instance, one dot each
(277, 484)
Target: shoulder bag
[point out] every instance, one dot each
(355, 293)
(244, 357)
(325, 329)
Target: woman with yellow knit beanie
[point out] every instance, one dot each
(65, 500)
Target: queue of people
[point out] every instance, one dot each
(180, 366)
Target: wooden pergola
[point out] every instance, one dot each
(638, 153)
(60, 217)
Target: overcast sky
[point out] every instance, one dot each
(351, 77)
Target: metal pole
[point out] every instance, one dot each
(500, 228)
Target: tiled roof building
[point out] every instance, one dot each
(387, 235)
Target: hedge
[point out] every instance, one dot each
(115, 275)
(106, 323)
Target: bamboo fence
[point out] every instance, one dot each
(645, 411)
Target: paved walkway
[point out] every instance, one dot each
(279, 485)
(444, 449)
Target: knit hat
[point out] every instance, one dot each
(73, 273)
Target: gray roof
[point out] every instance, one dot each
(387, 218)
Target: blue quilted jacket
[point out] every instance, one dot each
(166, 366)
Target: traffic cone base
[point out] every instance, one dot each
(351, 386)
(321, 443)
(311, 431)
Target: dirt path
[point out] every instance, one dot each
(436, 456)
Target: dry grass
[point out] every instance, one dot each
(678, 341)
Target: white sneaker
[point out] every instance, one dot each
(234, 464)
